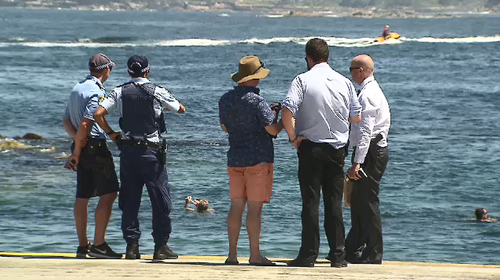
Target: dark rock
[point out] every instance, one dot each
(32, 136)
(1, 136)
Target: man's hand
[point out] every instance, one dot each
(296, 143)
(72, 162)
(114, 136)
(353, 172)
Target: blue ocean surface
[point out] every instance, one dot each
(441, 81)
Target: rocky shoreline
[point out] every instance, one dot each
(239, 6)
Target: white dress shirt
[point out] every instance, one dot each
(322, 100)
(375, 119)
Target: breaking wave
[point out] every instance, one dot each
(122, 42)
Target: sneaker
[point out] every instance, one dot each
(81, 252)
(132, 252)
(164, 252)
(103, 251)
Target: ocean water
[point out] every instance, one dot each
(441, 81)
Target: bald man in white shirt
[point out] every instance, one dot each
(369, 160)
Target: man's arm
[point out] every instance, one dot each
(223, 128)
(355, 119)
(289, 125)
(275, 128)
(366, 127)
(100, 119)
(80, 142)
(355, 107)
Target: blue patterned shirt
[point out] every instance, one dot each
(245, 114)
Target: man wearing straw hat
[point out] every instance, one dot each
(250, 123)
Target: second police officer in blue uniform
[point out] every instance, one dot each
(143, 154)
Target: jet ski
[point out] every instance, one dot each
(390, 36)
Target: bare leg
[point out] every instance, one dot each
(254, 219)
(234, 226)
(80, 212)
(102, 216)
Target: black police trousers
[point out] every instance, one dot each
(321, 167)
(364, 241)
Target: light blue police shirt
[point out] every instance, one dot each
(113, 101)
(83, 102)
(322, 100)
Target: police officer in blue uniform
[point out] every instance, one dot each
(91, 159)
(143, 154)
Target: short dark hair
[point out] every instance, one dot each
(141, 75)
(317, 49)
(479, 213)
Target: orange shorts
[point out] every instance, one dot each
(255, 183)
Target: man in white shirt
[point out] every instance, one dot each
(369, 161)
(317, 111)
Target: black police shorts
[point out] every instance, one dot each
(95, 174)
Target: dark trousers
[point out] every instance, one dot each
(138, 167)
(321, 166)
(364, 241)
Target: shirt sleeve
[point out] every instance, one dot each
(167, 100)
(265, 115)
(355, 108)
(110, 102)
(294, 96)
(66, 113)
(365, 128)
(92, 105)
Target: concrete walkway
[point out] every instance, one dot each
(65, 266)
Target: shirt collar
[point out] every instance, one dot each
(96, 80)
(247, 89)
(139, 80)
(320, 66)
(366, 81)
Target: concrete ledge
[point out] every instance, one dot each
(62, 266)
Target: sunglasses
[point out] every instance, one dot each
(353, 68)
(110, 68)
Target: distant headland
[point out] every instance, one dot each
(281, 8)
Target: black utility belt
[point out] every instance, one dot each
(140, 143)
(97, 142)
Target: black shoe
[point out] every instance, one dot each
(298, 262)
(81, 252)
(132, 252)
(164, 252)
(103, 251)
(339, 264)
(368, 261)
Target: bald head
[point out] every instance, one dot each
(361, 68)
(364, 61)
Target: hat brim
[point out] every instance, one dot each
(260, 74)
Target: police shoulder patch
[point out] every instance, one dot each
(101, 99)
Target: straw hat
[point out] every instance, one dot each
(250, 68)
